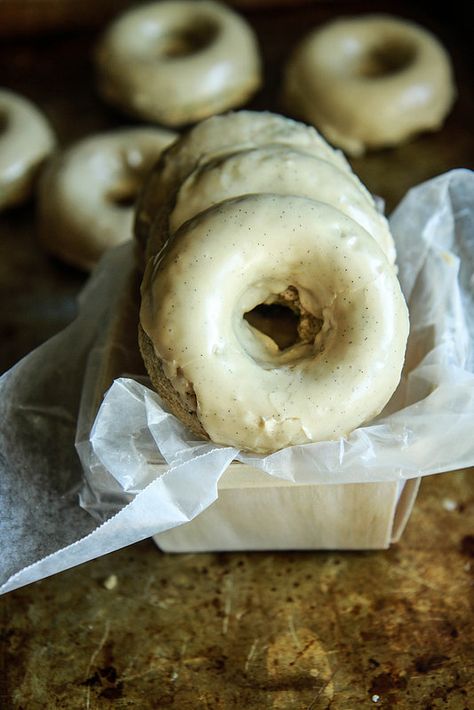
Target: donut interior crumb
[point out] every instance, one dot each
(285, 320)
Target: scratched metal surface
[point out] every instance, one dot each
(305, 630)
(281, 631)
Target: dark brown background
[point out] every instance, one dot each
(288, 630)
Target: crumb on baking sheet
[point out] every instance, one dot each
(449, 504)
(110, 582)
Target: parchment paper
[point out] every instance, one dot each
(427, 427)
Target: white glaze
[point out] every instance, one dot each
(79, 214)
(241, 253)
(26, 139)
(217, 137)
(136, 73)
(283, 171)
(332, 81)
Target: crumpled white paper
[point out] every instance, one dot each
(426, 428)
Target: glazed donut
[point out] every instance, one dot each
(216, 137)
(370, 81)
(282, 171)
(178, 61)
(86, 194)
(26, 139)
(229, 382)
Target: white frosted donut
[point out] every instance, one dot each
(216, 137)
(283, 171)
(86, 194)
(244, 391)
(26, 139)
(178, 61)
(370, 81)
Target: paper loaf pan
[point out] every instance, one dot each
(255, 511)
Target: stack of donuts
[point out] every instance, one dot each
(252, 211)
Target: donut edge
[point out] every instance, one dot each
(164, 387)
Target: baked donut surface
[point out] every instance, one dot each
(370, 81)
(231, 382)
(26, 139)
(86, 193)
(178, 61)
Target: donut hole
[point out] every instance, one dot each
(284, 320)
(124, 196)
(187, 40)
(279, 322)
(386, 59)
